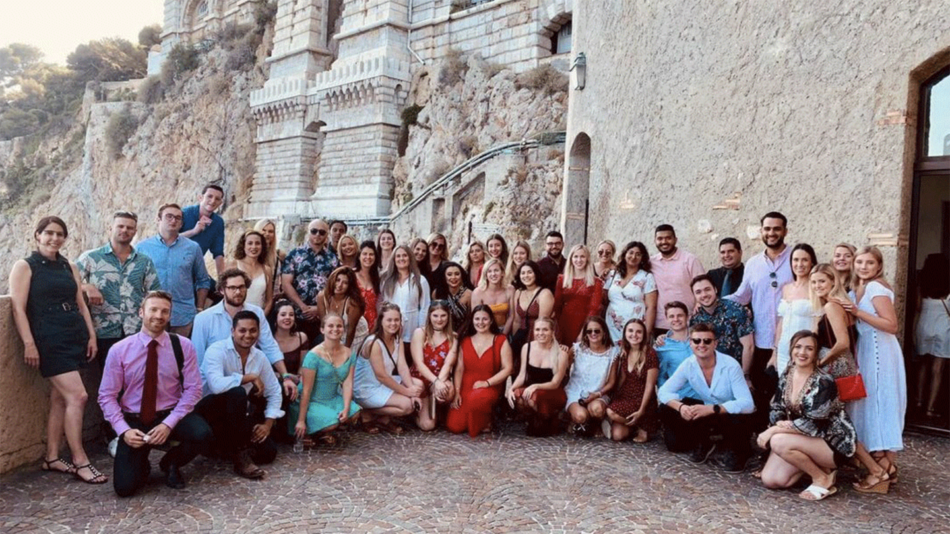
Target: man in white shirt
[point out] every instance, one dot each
(724, 407)
(241, 397)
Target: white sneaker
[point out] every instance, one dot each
(113, 446)
(605, 426)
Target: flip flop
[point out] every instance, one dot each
(70, 468)
(819, 493)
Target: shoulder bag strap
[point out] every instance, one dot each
(179, 358)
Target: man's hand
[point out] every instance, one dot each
(660, 341)
(93, 293)
(261, 431)
(159, 434)
(133, 438)
(309, 312)
(202, 223)
(290, 389)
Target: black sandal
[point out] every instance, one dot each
(97, 478)
(70, 468)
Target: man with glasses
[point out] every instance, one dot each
(216, 323)
(724, 406)
(304, 275)
(761, 286)
(115, 278)
(181, 268)
(552, 264)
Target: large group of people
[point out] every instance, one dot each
(387, 334)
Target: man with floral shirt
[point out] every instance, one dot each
(305, 273)
(730, 320)
(115, 279)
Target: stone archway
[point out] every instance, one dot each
(576, 192)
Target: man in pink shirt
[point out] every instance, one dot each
(149, 389)
(673, 270)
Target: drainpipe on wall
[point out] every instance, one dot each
(409, 37)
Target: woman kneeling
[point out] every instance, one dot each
(326, 386)
(538, 391)
(434, 350)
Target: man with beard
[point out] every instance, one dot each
(241, 396)
(762, 282)
(116, 278)
(215, 324)
(552, 264)
(149, 389)
(673, 269)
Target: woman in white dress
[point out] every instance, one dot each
(382, 384)
(879, 417)
(932, 335)
(250, 256)
(404, 286)
(593, 373)
(795, 309)
(631, 291)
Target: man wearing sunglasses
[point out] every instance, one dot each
(724, 406)
(761, 286)
(305, 274)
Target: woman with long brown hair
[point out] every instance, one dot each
(593, 376)
(367, 278)
(434, 349)
(250, 256)
(405, 287)
(633, 408)
(342, 296)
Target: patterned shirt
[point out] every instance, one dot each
(181, 271)
(123, 286)
(731, 322)
(310, 271)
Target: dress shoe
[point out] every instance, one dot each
(173, 476)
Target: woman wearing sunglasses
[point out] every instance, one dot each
(593, 375)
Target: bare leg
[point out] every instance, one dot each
(615, 417)
(619, 432)
(936, 381)
(578, 413)
(54, 427)
(808, 454)
(73, 393)
(597, 409)
(779, 474)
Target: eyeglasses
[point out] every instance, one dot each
(170, 217)
(589, 332)
(318, 231)
(773, 276)
(702, 340)
(234, 288)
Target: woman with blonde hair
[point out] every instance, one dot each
(836, 330)
(605, 259)
(538, 390)
(493, 292)
(474, 263)
(843, 262)
(434, 350)
(577, 295)
(879, 417)
(274, 257)
(348, 250)
(250, 256)
(520, 254)
(438, 256)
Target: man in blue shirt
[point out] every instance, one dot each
(216, 323)
(724, 406)
(181, 268)
(202, 225)
(673, 348)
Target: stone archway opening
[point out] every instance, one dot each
(576, 200)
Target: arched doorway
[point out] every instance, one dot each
(576, 200)
(929, 259)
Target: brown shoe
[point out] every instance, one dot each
(245, 467)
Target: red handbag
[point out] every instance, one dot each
(851, 388)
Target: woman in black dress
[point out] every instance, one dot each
(58, 337)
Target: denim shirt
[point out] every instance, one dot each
(181, 272)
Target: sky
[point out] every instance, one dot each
(58, 26)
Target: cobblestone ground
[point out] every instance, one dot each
(505, 482)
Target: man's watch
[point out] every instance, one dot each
(717, 409)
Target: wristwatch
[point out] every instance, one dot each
(717, 409)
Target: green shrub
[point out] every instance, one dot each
(410, 115)
(119, 130)
(150, 36)
(543, 78)
(182, 58)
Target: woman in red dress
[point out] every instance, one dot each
(633, 408)
(367, 278)
(434, 350)
(479, 375)
(539, 389)
(578, 295)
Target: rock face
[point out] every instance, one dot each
(201, 132)
(467, 107)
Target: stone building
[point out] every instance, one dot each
(708, 115)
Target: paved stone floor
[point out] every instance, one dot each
(506, 482)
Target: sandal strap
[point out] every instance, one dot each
(61, 460)
(92, 469)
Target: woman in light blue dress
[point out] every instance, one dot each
(326, 386)
(879, 417)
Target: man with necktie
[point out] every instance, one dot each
(728, 277)
(149, 389)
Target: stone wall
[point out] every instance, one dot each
(24, 400)
(708, 115)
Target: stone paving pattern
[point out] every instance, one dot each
(504, 482)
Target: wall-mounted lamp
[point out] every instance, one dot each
(580, 70)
